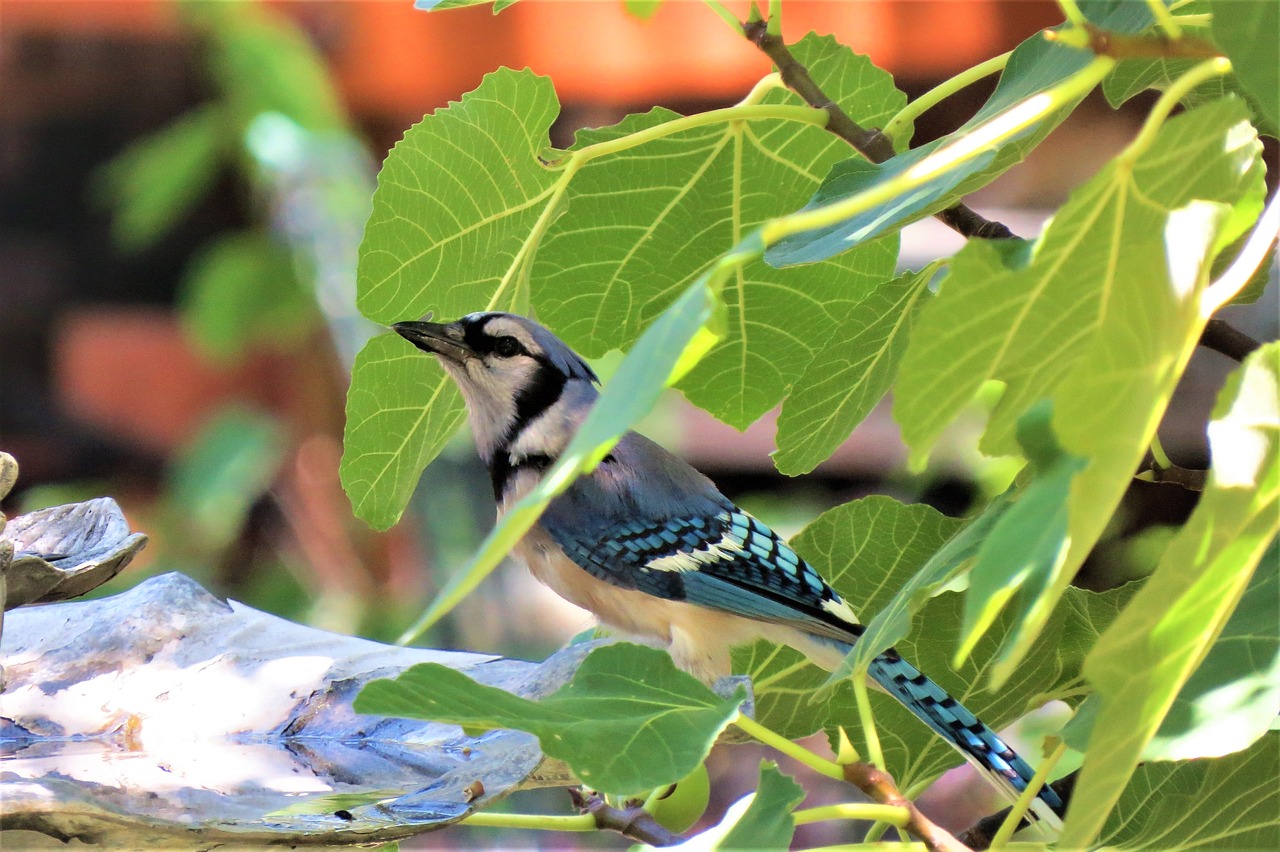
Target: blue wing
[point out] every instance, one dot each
(680, 539)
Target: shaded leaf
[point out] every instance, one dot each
(1145, 657)
(1249, 33)
(1133, 76)
(265, 64)
(908, 593)
(1029, 540)
(913, 753)
(768, 822)
(846, 379)
(628, 721)
(221, 473)
(1229, 803)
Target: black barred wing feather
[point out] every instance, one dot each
(728, 561)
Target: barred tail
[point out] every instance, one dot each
(978, 743)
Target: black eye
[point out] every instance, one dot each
(507, 347)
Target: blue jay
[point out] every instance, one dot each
(651, 546)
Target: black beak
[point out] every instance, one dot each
(438, 339)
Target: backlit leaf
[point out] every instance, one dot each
(1141, 663)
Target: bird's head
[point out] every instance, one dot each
(525, 389)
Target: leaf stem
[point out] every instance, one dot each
(938, 93)
(766, 84)
(774, 25)
(1207, 70)
(1164, 19)
(747, 112)
(725, 15)
(1014, 819)
(887, 814)
(1072, 13)
(1158, 453)
(1007, 123)
(822, 766)
(541, 822)
(869, 732)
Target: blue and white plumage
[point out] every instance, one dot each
(651, 547)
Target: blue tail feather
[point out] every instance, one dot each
(954, 723)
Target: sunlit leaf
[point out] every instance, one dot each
(1027, 542)
(1234, 695)
(1142, 661)
(628, 721)
(1020, 117)
(455, 204)
(642, 224)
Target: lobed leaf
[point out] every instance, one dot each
(627, 722)
(643, 223)
(869, 549)
(865, 549)
(456, 202)
(1020, 100)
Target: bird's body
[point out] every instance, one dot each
(651, 546)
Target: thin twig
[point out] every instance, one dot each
(979, 835)
(633, 822)
(880, 787)
(872, 144)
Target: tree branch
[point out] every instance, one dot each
(633, 822)
(979, 835)
(1227, 340)
(876, 147)
(872, 144)
(881, 788)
